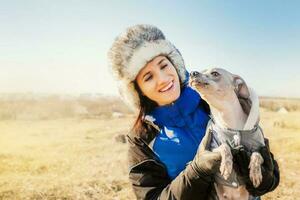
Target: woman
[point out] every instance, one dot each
(165, 160)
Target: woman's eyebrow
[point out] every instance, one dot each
(161, 61)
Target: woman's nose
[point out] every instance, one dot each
(162, 78)
(194, 73)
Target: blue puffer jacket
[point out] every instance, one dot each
(182, 126)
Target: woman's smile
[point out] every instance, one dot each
(168, 87)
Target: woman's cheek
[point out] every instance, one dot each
(149, 88)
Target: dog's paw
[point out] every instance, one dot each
(226, 161)
(255, 169)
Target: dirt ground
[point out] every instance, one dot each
(80, 159)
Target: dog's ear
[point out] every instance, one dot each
(240, 87)
(242, 92)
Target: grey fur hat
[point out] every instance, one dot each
(132, 50)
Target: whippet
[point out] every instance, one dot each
(234, 121)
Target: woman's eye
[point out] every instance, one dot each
(148, 78)
(215, 73)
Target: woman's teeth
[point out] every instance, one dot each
(167, 87)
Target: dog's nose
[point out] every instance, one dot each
(194, 73)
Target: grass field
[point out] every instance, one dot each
(78, 158)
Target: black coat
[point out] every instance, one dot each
(150, 180)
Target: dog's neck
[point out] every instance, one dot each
(229, 115)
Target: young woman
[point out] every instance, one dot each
(165, 160)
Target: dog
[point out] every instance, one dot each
(234, 122)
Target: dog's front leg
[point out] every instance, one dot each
(255, 175)
(226, 162)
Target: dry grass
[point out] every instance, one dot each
(285, 144)
(63, 159)
(56, 107)
(274, 104)
(74, 156)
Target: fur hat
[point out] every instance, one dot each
(132, 50)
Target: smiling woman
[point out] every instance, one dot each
(159, 81)
(166, 160)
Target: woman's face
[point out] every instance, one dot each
(159, 81)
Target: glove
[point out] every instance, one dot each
(269, 169)
(205, 162)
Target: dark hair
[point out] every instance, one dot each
(146, 106)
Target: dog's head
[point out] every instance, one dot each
(217, 85)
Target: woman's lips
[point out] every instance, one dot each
(168, 87)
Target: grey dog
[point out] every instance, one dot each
(234, 121)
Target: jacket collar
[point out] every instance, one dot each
(173, 114)
(253, 117)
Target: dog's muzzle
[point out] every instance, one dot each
(196, 78)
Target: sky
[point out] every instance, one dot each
(61, 46)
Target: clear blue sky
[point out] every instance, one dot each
(60, 46)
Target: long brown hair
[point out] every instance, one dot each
(146, 106)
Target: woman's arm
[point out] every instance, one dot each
(150, 180)
(270, 170)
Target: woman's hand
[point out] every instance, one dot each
(205, 162)
(269, 169)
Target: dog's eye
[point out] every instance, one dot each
(215, 73)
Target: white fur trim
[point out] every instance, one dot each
(253, 116)
(140, 58)
(132, 50)
(146, 53)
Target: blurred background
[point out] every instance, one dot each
(62, 122)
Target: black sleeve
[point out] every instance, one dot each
(273, 182)
(149, 179)
(271, 179)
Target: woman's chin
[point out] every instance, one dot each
(169, 97)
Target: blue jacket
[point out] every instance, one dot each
(182, 126)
